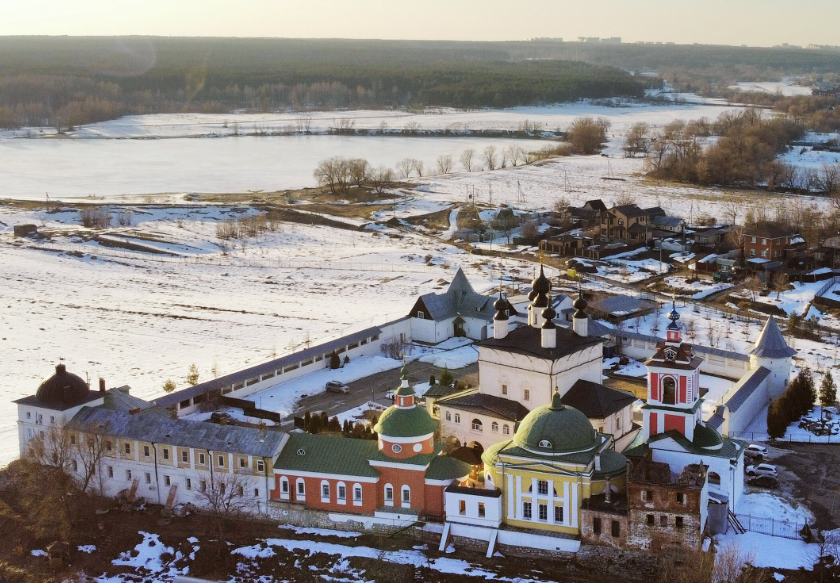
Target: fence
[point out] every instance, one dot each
(771, 526)
(795, 437)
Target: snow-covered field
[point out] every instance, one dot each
(140, 319)
(781, 87)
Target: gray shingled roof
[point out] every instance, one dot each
(660, 221)
(489, 405)
(528, 340)
(622, 303)
(460, 298)
(178, 432)
(749, 386)
(119, 399)
(771, 343)
(260, 369)
(595, 400)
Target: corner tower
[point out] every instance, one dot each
(673, 385)
(772, 352)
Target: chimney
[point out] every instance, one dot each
(134, 411)
(101, 385)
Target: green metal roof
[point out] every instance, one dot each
(405, 422)
(329, 455)
(443, 467)
(556, 429)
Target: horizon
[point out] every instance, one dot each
(755, 23)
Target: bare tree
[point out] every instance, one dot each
(466, 159)
(444, 164)
(411, 127)
(637, 141)
(490, 157)
(732, 208)
(381, 178)
(223, 494)
(405, 167)
(91, 444)
(327, 173)
(358, 171)
(830, 178)
(51, 448)
(418, 167)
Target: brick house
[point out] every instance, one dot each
(772, 243)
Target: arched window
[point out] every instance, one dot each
(494, 427)
(341, 490)
(669, 391)
(406, 497)
(457, 417)
(506, 429)
(325, 491)
(389, 495)
(476, 425)
(301, 489)
(714, 478)
(357, 494)
(448, 416)
(284, 488)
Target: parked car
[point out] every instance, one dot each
(221, 417)
(755, 452)
(337, 387)
(764, 482)
(761, 470)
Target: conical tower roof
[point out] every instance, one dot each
(771, 343)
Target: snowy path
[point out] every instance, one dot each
(453, 224)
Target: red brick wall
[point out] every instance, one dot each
(654, 424)
(654, 386)
(434, 500)
(371, 494)
(399, 477)
(683, 390)
(406, 449)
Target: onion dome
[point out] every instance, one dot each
(500, 305)
(541, 284)
(63, 387)
(674, 315)
(548, 315)
(532, 295)
(541, 301)
(580, 305)
(556, 429)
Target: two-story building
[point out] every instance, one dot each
(771, 242)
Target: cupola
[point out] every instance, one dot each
(501, 319)
(580, 321)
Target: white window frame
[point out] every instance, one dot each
(405, 497)
(389, 495)
(300, 489)
(494, 427)
(358, 493)
(285, 493)
(325, 499)
(457, 417)
(477, 425)
(261, 466)
(506, 429)
(448, 416)
(341, 499)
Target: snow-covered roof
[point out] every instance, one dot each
(460, 298)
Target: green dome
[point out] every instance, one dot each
(555, 429)
(409, 422)
(404, 392)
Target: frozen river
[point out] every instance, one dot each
(67, 168)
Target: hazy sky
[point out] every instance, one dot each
(752, 22)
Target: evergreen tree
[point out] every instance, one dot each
(168, 386)
(192, 375)
(793, 323)
(828, 391)
(777, 420)
(808, 389)
(335, 361)
(307, 422)
(334, 425)
(346, 359)
(446, 378)
(432, 380)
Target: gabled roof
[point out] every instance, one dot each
(595, 400)
(144, 426)
(439, 390)
(662, 221)
(528, 340)
(628, 210)
(748, 386)
(771, 343)
(483, 404)
(655, 211)
(769, 231)
(596, 204)
(344, 456)
(119, 399)
(461, 299)
(444, 467)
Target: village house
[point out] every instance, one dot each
(771, 242)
